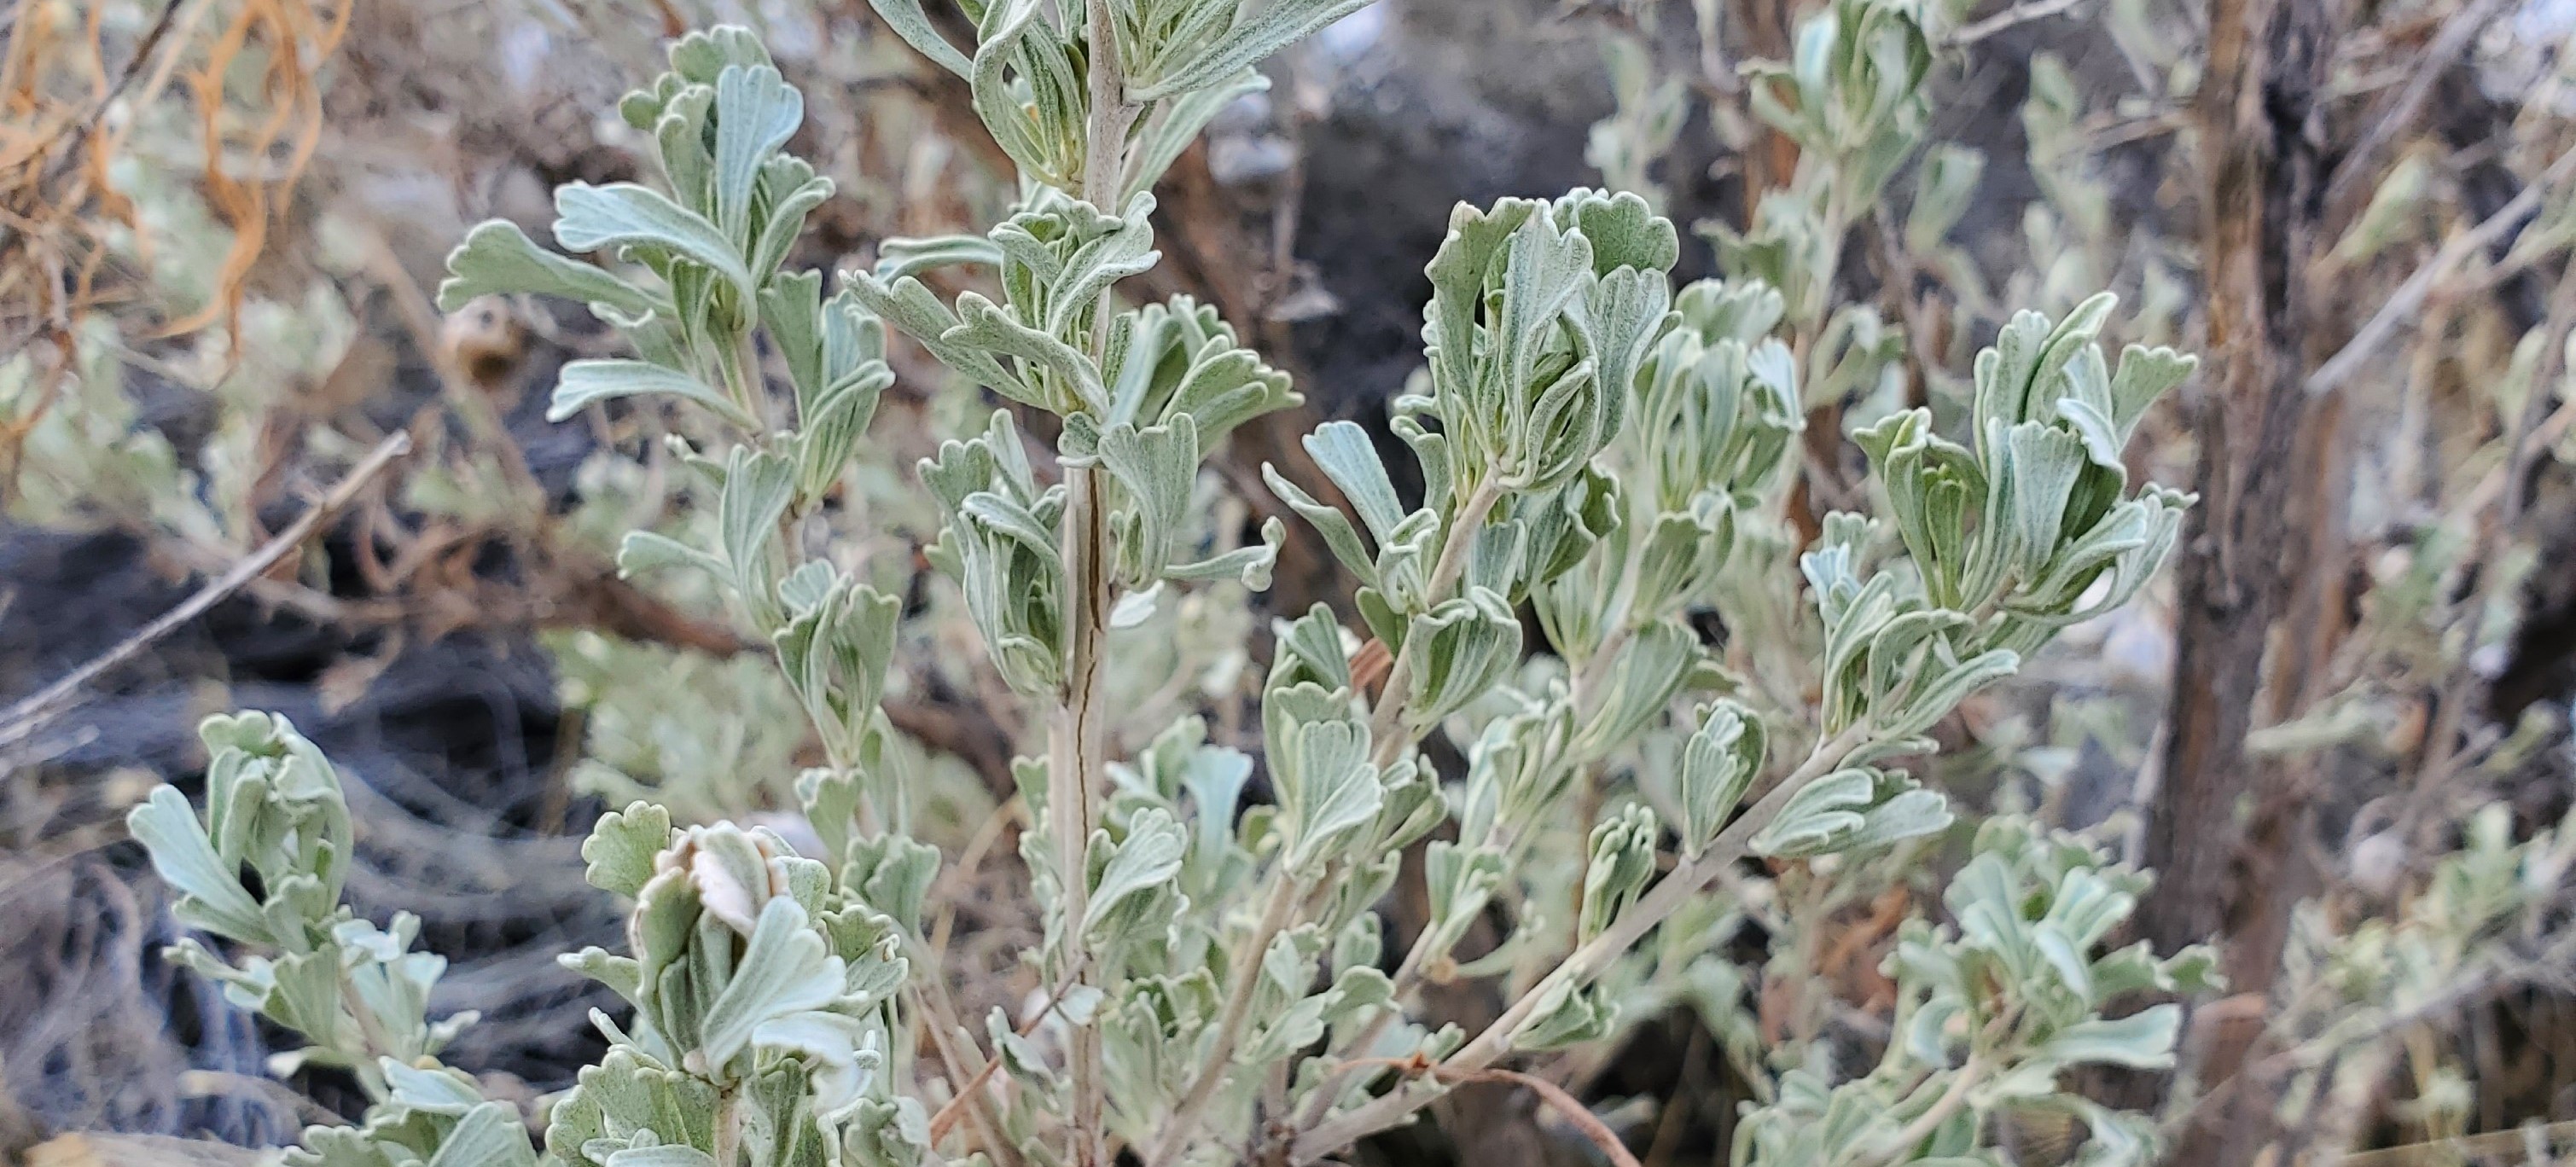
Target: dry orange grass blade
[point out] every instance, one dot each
(292, 40)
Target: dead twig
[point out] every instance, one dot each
(2517, 1141)
(2013, 17)
(955, 1108)
(30, 715)
(1555, 1096)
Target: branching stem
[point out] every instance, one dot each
(1666, 897)
(1243, 978)
(1077, 732)
(1386, 719)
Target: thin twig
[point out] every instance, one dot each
(1555, 1096)
(2015, 16)
(1247, 976)
(929, 997)
(955, 1108)
(2456, 1149)
(1659, 902)
(80, 131)
(24, 719)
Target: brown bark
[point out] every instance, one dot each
(2259, 119)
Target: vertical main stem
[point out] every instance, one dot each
(1077, 733)
(1077, 753)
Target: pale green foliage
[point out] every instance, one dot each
(732, 756)
(1590, 441)
(757, 977)
(1851, 98)
(2482, 919)
(358, 995)
(1990, 1014)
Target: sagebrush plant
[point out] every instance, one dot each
(1214, 985)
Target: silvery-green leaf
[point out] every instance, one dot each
(586, 383)
(1467, 646)
(833, 427)
(1927, 1037)
(1460, 880)
(2015, 376)
(1156, 465)
(1178, 121)
(1135, 608)
(1737, 309)
(1147, 859)
(438, 1091)
(1339, 535)
(991, 328)
(906, 304)
(791, 308)
(1934, 699)
(623, 214)
(1036, 117)
(759, 487)
(644, 551)
(664, 1155)
(785, 969)
(1431, 452)
(490, 1135)
(181, 853)
(1120, 246)
(786, 213)
(2118, 1138)
(1719, 762)
(2086, 907)
(2145, 374)
(1342, 450)
(756, 112)
(680, 141)
(497, 258)
(622, 974)
(1943, 191)
(1621, 317)
(1818, 816)
(1277, 25)
(839, 1062)
(618, 855)
(1004, 515)
(1624, 230)
(1249, 565)
(1649, 671)
(910, 22)
(1566, 1015)
(1910, 814)
(2044, 463)
(1461, 272)
(1330, 785)
(900, 257)
(1225, 386)
(1622, 860)
(1309, 649)
(702, 55)
(892, 874)
(2143, 1040)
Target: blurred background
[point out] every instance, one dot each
(2337, 728)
